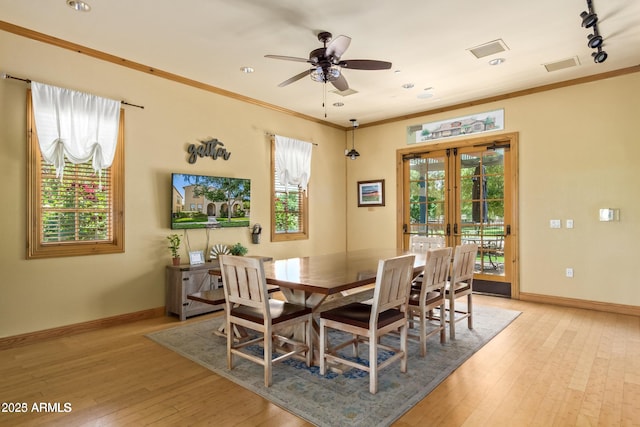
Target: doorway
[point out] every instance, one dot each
(465, 192)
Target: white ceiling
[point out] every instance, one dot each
(426, 40)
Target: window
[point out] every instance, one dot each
(82, 214)
(289, 213)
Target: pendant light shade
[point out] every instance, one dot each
(353, 154)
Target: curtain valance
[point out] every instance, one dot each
(75, 125)
(293, 161)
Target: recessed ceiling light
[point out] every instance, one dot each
(78, 5)
(408, 85)
(496, 61)
(247, 70)
(338, 104)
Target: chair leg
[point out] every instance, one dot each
(452, 318)
(443, 324)
(403, 347)
(323, 347)
(423, 333)
(470, 311)
(309, 342)
(373, 363)
(229, 345)
(268, 353)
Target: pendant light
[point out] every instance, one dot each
(353, 154)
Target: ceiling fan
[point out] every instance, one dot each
(326, 65)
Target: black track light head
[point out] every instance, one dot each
(600, 56)
(589, 19)
(594, 41)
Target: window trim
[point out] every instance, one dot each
(35, 247)
(286, 236)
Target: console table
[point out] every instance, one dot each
(184, 280)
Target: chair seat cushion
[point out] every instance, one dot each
(281, 311)
(459, 287)
(358, 314)
(432, 297)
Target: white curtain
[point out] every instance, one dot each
(293, 161)
(75, 125)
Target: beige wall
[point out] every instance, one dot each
(578, 148)
(579, 151)
(42, 294)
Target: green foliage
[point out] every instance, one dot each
(287, 213)
(174, 244)
(238, 250)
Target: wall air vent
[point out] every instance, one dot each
(560, 65)
(487, 49)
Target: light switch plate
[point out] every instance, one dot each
(554, 223)
(569, 223)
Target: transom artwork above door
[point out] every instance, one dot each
(465, 192)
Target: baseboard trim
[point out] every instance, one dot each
(33, 337)
(632, 310)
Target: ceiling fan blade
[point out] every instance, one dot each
(287, 58)
(294, 78)
(338, 46)
(365, 64)
(340, 83)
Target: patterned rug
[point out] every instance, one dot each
(341, 399)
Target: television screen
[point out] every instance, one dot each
(200, 201)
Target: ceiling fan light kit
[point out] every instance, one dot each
(595, 40)
(326, 62)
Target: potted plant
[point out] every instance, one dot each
(174, 247)
(238, 249)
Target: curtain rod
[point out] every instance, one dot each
(7, 76)
(271, 135)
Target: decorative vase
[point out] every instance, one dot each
(176, 261)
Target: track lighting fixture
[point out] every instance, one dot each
(595, 40)
(353, 154)
(588, 19)
(599, 56)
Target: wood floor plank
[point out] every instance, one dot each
(553, 366)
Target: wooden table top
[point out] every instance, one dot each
(333, 273)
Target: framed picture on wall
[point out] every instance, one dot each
(371, 193)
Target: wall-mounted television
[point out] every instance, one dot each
(200, 201)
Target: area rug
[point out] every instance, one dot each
(341, 399)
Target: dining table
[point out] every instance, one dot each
(324, 281)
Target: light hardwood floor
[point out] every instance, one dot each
(553, 366)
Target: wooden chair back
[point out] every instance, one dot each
(245, 284)
(419, 243)
(393, 282)
(436, 270)
(464, 262)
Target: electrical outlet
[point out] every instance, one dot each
(569, 272)
(569, 223)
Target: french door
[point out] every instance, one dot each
(466, 193)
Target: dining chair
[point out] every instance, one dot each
(367, 323)
(248, 305)
(460, 284)
(420, 243)
(430, 295)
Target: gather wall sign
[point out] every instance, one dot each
(210, 147)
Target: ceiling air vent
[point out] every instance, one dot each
(560, 65)
(487, 49)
